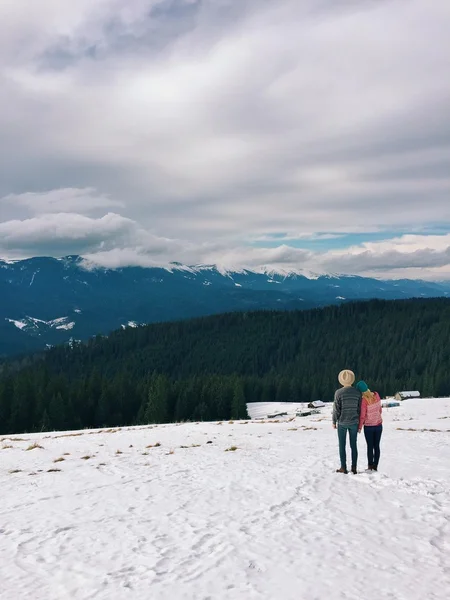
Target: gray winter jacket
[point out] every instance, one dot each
(347, 406)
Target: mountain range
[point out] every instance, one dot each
(47, 301)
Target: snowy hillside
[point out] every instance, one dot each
(113, 515)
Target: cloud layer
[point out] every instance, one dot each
(158, 130)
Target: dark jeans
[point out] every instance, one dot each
(373, 437)
(342, 435)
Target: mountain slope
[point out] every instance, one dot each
(188, 520)
(47, 301)
(209, 368)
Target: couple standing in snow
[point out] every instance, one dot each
(353, 408)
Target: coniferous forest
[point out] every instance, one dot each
(209, 368)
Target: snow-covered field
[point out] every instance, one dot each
(188, 520)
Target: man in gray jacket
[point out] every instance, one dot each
(346, 411)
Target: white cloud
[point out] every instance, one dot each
(423, 256)
(63, 232)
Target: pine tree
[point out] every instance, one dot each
(239, 406)
(103, 413)
(6, 401)
(45, 422)
(22, 409)
(57, 413)
(158, 398)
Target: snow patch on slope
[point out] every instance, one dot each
(33, 323)
(18, 324)
(132, 324)
(66, 326)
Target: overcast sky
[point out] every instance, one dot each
(307, 134)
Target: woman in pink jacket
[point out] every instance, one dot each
(371, 418)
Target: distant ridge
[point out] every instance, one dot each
(86, 299)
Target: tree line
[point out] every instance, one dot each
(209, 368)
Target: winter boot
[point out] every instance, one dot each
(354, 471)
(342, 470)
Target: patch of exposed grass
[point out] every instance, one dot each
(66, 454)
(157, 445)
(191, 446)
(145, 454)
(12, 471)
(424, 430)
(293, 429)
(53, 470)
(87, 457)
(7, 446)
(34, 446)
(172, 451)
(119, 452)
(231, 449)
(60, 459)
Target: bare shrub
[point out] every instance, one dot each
(34, 446)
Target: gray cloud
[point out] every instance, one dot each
(225, 121)
(387, 261)
(72, 200)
